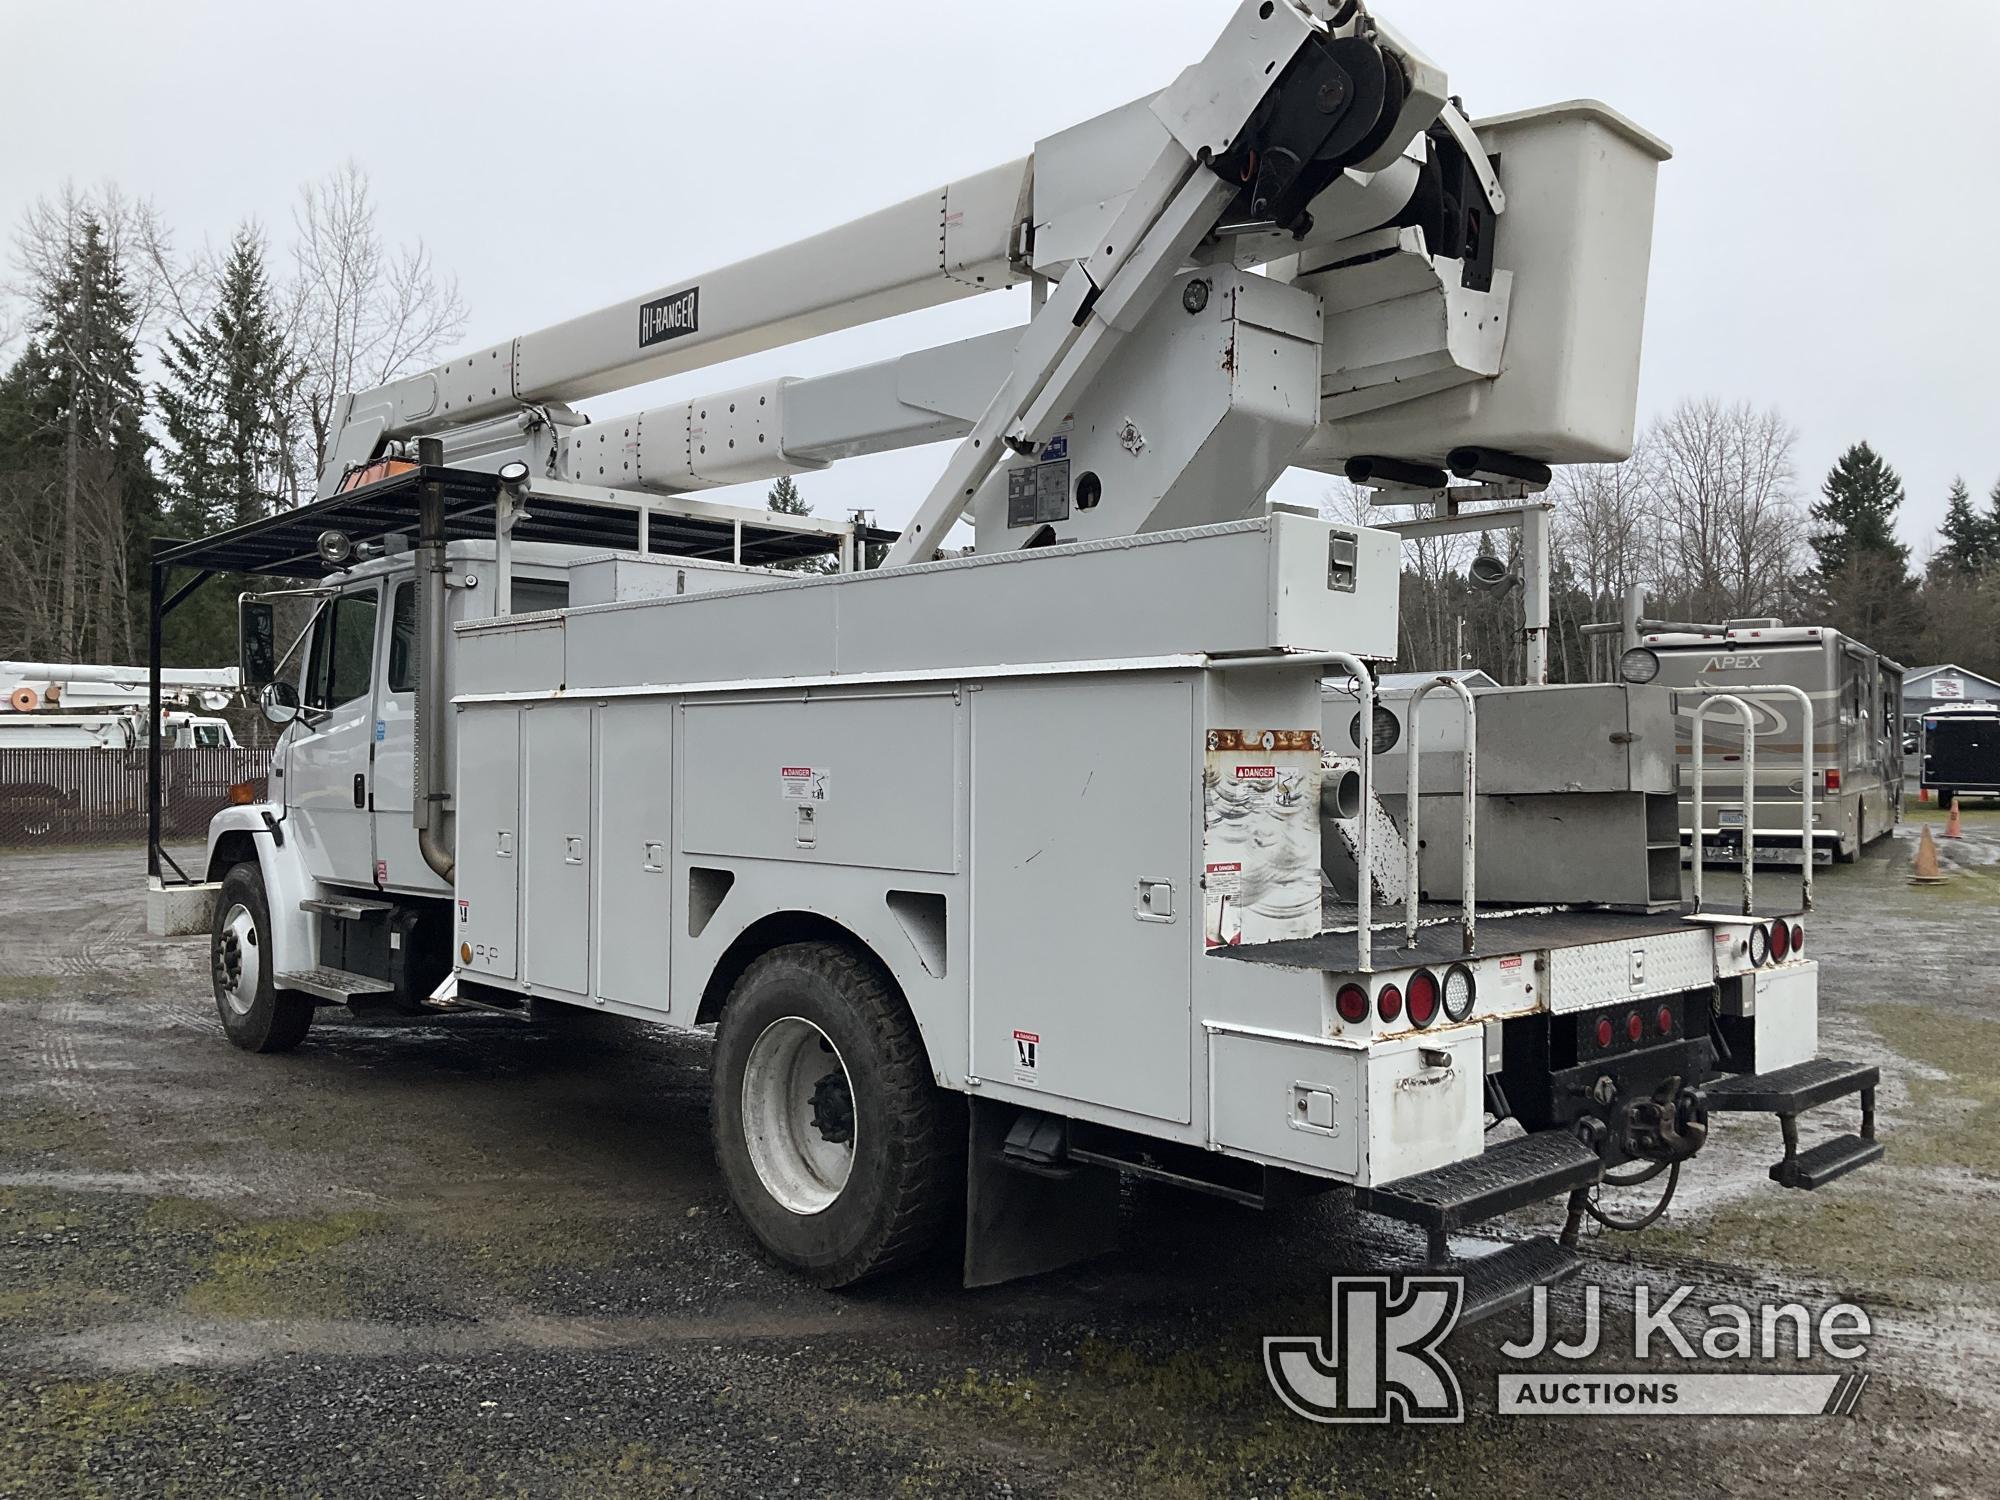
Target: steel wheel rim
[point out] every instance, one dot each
(798, 1115)
(239, 962)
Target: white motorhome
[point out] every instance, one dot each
(1857, 739)
(1000, 875)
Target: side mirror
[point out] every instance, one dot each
(257, 642)
(280, 702)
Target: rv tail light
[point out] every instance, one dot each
(1352, 1004)
(1604, 1031)
(242, 793)
(1666, 1020)
(1760, 946)
(1798, 940)
(1832, 780)
(1422, 998)
(1388, 1002)
(1634, 1027)
(1781, 940)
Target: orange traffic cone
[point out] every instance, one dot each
(1951, 824)
(1925, 871)
(1923, 794)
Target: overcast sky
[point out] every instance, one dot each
(1825, 240)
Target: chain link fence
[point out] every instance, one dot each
(85, 796)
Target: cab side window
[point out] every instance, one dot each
(343, 652)
(403, 640)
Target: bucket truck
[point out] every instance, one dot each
(1005, 873)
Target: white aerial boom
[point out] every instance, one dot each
(1411, 316)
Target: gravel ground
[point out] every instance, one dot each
(495, 1259)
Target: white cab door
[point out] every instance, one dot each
(328, 771)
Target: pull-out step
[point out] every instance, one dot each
(337, 985)
(1789, 1093)
(1793, 1090)
(352, 908)
(1511, 1175)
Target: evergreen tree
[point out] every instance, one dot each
(785, 499)
(223, 401)
(80, 500)
(225, 407)
(1992, 524)
(1967, 538)
(1856, 513)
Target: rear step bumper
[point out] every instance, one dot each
(1510, 1175)
(1793, 1090)
(1513, 1174)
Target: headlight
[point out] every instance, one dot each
(1640, 664)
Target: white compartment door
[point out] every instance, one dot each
(634, 879)
(488, 878)
(555, 916)
(1085, 922)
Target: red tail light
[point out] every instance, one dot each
(1634, 1027)
(1388, 1002)
(1604, 1031)
(1798, 939)
(1352, 1004)
(1666, 1020)
(1781, 941)
(1423, 998)
(1832, 780)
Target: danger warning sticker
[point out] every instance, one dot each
(1027, 1058)
(1256, 773)
(1224, 879)
(1511, 961)
(802, 783)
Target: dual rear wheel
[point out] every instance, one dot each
(840, 1152)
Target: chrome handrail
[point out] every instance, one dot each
(1728, 700)
(1467, 828)
(1807, 742)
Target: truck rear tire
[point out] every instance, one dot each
(833, 1139)
(256, 1015)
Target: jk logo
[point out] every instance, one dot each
(1381, 1363)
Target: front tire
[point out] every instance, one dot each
(256, 1015)
(833, 1139)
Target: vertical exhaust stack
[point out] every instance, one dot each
(432, 777)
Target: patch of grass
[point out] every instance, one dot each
(177, 1215)
(1962, 1109)
(51, 1433)
(281, 1267)
(513, 1244)
(45, 1130)
(31, 986)
(1204, 1421)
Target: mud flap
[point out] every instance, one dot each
(1022, 1223)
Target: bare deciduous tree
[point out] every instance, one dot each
(1728, 525)
(363, 312)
